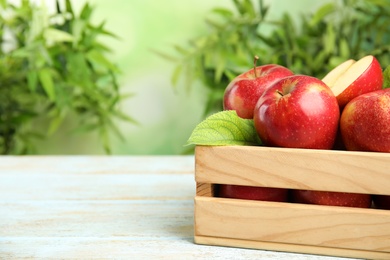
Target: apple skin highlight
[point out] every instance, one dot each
(364, 122)
(243, 92)
(297, 112)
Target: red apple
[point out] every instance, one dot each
(253, 193)
(297, 112)
(332, 198)
(241, 95)
(354, 78)
(365, 122)
(243, 92)
(382, 201)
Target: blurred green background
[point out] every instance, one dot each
(166, 115)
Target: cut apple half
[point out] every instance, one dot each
(353, 78)
(331, 78)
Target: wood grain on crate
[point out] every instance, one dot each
(342, 171)
(294, 223)
(310, 250)
(316, 229)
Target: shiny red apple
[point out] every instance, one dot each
(365, 122)
(332, 198)
(297, 112)
(243, 92)
(354, 78)
(253, 193)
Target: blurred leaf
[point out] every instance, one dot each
(32, 80)
(124, 117)
(78, 26)
(176, 74)
(56, 67)
(46, 80)
(54, 35)
(222, 11)
(329, 39)
(68, 7)
(86, 11)
(322, 12)
(97, 57)
(219, 69)
(344, 49)
(78, 70)
(55, 123)
(386, 77)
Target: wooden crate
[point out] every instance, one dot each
(292, 227)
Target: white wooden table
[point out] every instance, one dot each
(89, 207)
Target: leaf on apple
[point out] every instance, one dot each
(386, 77)
(225, 128)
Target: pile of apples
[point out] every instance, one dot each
(347, 110)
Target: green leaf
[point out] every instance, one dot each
(344, 48)
(322, 12)
(124, 117)
(386, 77)
(32, 80)
(97, 57)
(69, 7)
(78, 26)
(53, 35)
(78, 70)
(46, 80)
(220, 67)
(225, 128)
(55, 123)
(329, 39)
(176, 75)
(86, 12)
(222, 11)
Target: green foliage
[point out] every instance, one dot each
(337, 31)
(386, 77)
(225, 128)
(53, 66)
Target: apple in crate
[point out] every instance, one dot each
(354, 78)
(243, 92)
(253, 193)
(365, 122)
(365, 126)
(297, 112)
(302, 112)
(332, 198)
(241, 95)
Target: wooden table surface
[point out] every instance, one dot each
(98, 207)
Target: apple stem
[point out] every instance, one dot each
(254, 65)
(279, 92)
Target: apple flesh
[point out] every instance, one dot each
(364, 122)
(332, 198)
(297, 112)
(382, 201)
(253, 193)
(243, 92)
(354, 78)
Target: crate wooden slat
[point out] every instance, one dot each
(326, 230)
(360, 172)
